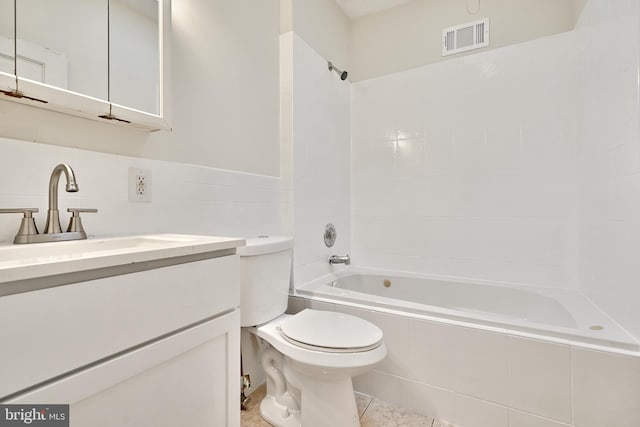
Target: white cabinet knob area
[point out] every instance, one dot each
(152, 342)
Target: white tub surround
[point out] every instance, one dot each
(318, 128)
(465, 366)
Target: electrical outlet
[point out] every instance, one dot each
(139, 185)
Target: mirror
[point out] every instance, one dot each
(72, 56)
(134, 60)
(7, 67)
(103, 63)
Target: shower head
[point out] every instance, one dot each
(343, 74)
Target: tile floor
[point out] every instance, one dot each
(373, 413)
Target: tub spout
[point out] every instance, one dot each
(338, 259)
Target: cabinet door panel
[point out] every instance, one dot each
(190, 379)
(78, 324)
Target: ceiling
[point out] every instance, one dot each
(358, 8)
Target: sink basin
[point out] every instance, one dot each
(23, 262)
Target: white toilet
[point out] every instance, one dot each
(310, 357)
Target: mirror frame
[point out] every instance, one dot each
(18, 89)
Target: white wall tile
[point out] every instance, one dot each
(479, 413)
(362, 383)
(430, 357)
(431, 401)
(546, 168)
(390, 389)
(453, 154)
(250, 350)
(320, 305)
(354, 311)
(396, 337)
(179, 190)
(540, 378)
(609, 162)
(606, 389)
(321, 132)
(481, 364)
(295, 305)
(258, 377)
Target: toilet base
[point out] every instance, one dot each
(300, 395)
(330, 404)
(277, 414)
(323, 404)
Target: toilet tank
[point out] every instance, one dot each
(265, 273)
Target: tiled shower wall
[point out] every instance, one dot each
(468, 167)
(609, 136)
(185, 198)
(321, 157)
(521, 164)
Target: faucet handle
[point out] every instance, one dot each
(75, 223)
(77, 211)
(26, 211)
(28, 224)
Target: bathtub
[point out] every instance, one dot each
(564, 314)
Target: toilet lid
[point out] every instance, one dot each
(331, 331)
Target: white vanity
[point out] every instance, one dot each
(135, 331)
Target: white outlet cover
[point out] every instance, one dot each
(135, 174)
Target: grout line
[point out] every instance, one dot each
(571, 385)
(367, 407)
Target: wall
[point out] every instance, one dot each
(225, 92)
(321, 159)
(314, 130)
(468, 167)
(410, 35)
(609, 173)
(324, 27)
(185, 198)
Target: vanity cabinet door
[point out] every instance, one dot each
(81, 323)
(187, 379)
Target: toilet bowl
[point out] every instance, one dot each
(309, 358)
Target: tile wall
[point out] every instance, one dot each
(321, 159)
(480, 378)
(609, 135)
(468, 167)
(520, 164)
(185, 198)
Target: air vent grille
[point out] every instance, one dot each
(465, 37)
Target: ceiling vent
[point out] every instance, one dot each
(465, 37)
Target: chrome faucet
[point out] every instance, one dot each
(53, 216)
(28, 232)
(337, 259)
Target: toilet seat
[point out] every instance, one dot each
(317, 356)
(331, 332)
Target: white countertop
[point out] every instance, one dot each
(31, 261)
